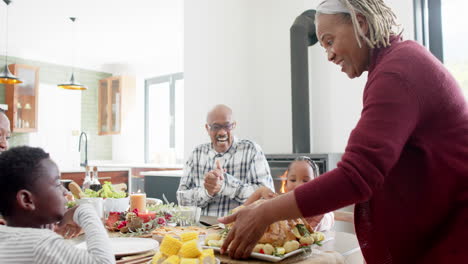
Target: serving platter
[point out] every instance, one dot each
(271, 258)
(265, 257)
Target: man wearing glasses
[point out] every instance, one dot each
(222, 174)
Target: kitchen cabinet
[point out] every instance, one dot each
(22, 98)
(111, 102)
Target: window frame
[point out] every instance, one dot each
(171, 79)
(428, 26)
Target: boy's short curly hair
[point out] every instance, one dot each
(18, 166)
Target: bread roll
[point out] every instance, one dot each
(76, 190)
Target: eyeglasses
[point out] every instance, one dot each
(217, 127)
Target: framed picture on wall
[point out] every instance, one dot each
(22, 98)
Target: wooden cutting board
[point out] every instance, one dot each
(311, 257)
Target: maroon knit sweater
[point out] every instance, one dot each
(406, 163)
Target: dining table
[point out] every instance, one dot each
(338, 247)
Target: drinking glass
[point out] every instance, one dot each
(190, 212)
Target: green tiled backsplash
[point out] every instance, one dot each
(101, 148)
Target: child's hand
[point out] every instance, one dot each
(49, 226)
(67, 227)
(261, 193)
(267, 193)
(314, 221)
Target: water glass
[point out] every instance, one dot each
(97, 202)
(189, 210)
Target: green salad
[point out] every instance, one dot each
(107, 191)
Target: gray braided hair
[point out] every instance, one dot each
(380, 18)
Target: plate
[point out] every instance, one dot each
(125, 246)
(272, 258)
(265, 257)
(217, 261)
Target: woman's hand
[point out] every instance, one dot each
(67, 227)
(253, 220)
(250, 224)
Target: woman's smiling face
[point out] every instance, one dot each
(336, 35)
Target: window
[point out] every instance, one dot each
(440, 27)
(164, 119)
(455, 40)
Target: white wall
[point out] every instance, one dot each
(58, 125)
(217, 64)
(237, 52)
(143, 32)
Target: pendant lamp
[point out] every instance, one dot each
(72, 84)
(6, 77)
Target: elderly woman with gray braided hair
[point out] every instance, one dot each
(405, 166)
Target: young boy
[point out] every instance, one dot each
(300, 171)
(33, 196)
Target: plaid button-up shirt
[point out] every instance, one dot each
(246, 170)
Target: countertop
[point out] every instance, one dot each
(171, 173)
(117, 166)
(110, 164)
(81, 169)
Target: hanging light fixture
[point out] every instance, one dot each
(73, 85)
(6, 77)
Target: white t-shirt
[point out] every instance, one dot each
(327, 222)
(33, 245)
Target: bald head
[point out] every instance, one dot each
(219, 125)
(218, 112)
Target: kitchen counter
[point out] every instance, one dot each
(110, 164)
(81, 169)
(170, 173)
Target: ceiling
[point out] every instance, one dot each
(135, 34)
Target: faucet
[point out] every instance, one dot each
(85, 163)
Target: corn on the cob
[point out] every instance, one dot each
(170, 245)
(187, 236)
(190, 249)
(172, 260)
(207, 257)
(188, 261)
(158, 258)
